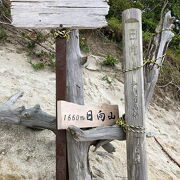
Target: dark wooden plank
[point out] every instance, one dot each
(61, 143)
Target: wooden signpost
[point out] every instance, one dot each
(86, 116)
(72, 155)
(134, 94)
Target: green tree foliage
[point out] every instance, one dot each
(151, 15)
(110, 61)
(3, 34)
(4, 10)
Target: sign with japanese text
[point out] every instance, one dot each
(84, 116)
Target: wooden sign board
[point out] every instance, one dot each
(84, 116)
(77, 14)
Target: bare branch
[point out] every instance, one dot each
(159, 27)
(157, 50)
(106, 145)
(99, 133)
(167, 153)
(12, 100)
(5, 23)
(33, 117)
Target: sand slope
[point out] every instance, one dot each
(27, 154)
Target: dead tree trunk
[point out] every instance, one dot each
(77, 151)
(156, 51)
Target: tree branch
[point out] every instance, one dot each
(166, 152)
(99, 133)
(33, 117)
(12, 100)
(106, 145)
(157, 49)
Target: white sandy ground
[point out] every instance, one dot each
(27, 154)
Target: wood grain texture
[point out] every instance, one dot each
(33, 117)
(78, 162)
(157, 50)
(81, 14)
(134, 94)
(84, 116)
(99, 133)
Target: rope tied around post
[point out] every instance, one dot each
(65, 33)
(146, 61)
(126, 127)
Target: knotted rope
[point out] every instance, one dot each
(132, 128)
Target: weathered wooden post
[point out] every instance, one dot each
(134, 94)
(77, 151)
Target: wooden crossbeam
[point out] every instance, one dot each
(79, 14)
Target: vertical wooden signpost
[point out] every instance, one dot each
(134, 94)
